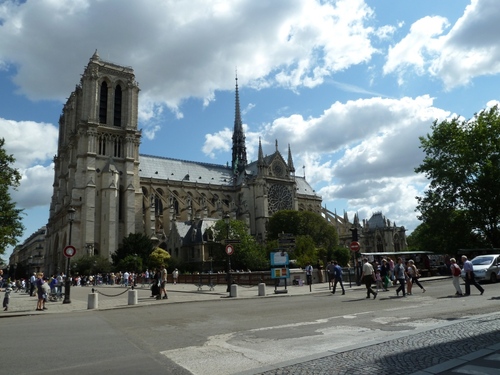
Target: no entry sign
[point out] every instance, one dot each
(69, 251)
(229, 249)
(355, 246)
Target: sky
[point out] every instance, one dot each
(350, 85)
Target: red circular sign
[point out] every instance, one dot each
(229, 249)
(69, 251)
(355, 246)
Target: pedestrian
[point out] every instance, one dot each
(33, 280)
(6, 298)
(400, 276)
(337, 275)
(175, 275)
(456, 272)
(40, 304)
(156, 283)
(385, 272)
(319, 267)
(330, 272)
(378, 281)
(414, 275)
(469, 276)
(125, 279)
(163, 285)
(309, 273)
(368, 277)
(391, 267)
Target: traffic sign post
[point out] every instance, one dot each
(355, 246)
(69, 251)
(229, 249)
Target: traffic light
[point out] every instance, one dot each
(354, 234)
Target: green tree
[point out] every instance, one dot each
(314, 237)
(135, 244)
(11, 226)
(445, 233)
(462, 162)
(158, 258)
(90, 265)
(248, 253)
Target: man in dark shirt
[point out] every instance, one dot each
(337, 274)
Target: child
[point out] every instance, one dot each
(378, 279)
(6, 299)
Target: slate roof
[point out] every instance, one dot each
(183, 170)
(190, 171)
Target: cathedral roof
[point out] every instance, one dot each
(182, 170)
(377, 221)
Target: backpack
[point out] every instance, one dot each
(456, 270)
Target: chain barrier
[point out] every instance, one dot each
(111, 295)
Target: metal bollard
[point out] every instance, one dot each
(92, 301)
(262, 290)
(132, 297)
(234, 290)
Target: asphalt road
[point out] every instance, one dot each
(245, 336)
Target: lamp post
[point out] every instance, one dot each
(32, 285)
(67, 283)
(228, 276)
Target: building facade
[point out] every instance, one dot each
(116, 191)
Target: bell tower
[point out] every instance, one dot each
(97, 164)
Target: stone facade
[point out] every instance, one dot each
(116, 191)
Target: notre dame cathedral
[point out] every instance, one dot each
(117, 191)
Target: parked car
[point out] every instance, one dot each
(486, 267)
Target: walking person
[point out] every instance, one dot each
(400, 276)
(155, 284)
(456, 272)
(337, 275)
(469, 276)
(414, 275)
(163, 285)
(175, 275)
(6, 297)
(385, 272)
(368, 276)
(330, 273)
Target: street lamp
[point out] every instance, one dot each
(228, 276)
(67, 284)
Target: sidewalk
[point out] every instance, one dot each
(115, 297)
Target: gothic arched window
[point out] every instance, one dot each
(380, 244)
(103, 103)
(158, 203)
(118, 107)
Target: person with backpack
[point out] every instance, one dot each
(456, 272)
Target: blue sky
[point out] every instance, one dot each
(350, 85)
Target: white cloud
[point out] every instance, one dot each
(29, 142)
(36, 187)
(414, 50)
(362, 151)
(269, 43)
(469, 50)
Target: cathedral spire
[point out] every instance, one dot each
(291, 168)
(260, 161)
(239, 160)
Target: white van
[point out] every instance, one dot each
(486, 267)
